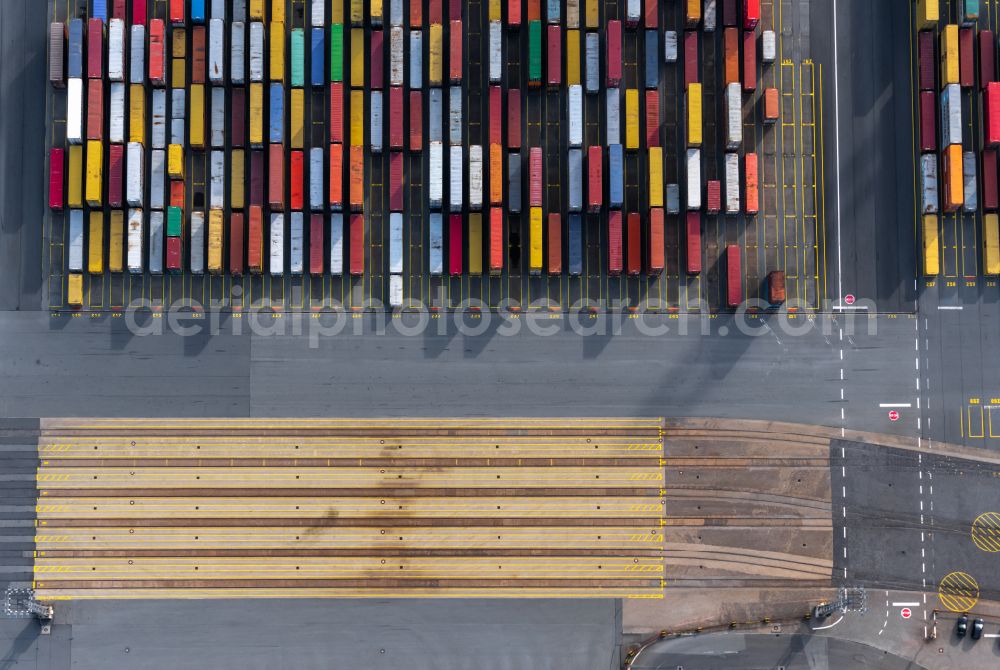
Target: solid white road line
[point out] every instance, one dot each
(895, 404)
(836, 144)
(950, 307)
(906, 604)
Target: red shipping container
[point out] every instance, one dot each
(276, 176)
(95, 48)
(534, 10)
(257, 177)
(177, 12)
(236, 232)
(435, 12)
(95, 109)
(615, 242)
(238, 114)
(455, 50)
(496, 240)
(138, 12)
(356, 171)
(652, 118)
(751, 180)
(990, 200)
(554, 44)
(514, 119)
(396, 181)
(535, 177)
(749, 61)
(734, 276)
(337, 111)
(731, 55)
(991, 109)
(118, 9)
(925, 46)
(513, 13)
(157, 51)
(693, 243)
(690, 57)
(316, 244)
(614, 58)
(455, 9)
(729, 12)
(966, 57)
(255, 240)
(751, 14)
(928, 140)
(416, 121)
(375, 61)
(57, 168)
(987, 57)
(655, 258)
(713, 199)
(357, 251)
(455, 244)
(337, 176)
(198, 55)
(416, 13)
(176, 193)
(116, 167)
(296, 172)
(652, 14)
(395, 118)
(496, 115)
(173, 254)
(555, 244)
(634, 255)
(595, 178)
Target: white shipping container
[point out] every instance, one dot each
(416, 60)
(496, 52)
(732, 183)
(575, 173)
(318, 13)
(134, 241)
(734, 116)
(573, 14)
(216, 51)
(455, 115)
(75, 260)
(197, 243)
(435, 187)
(632, 12)
(137, 49)
(434, 114)
(217, 180)
(316, 169)
(670, 46)
(708, 15)
(217, 125)
(237, 61)
(396, 56)
(134, 167)
(456, 184)
(768, 46)
(277, 245)
(951, 115)
(336, 243)
(435, 251)
(116, 114)
(673, 198)
(614, 122)
(295, 246)
(155, 243)
(177, 131)
(693, 171)
(928, 184)
(116, 50)
(575, 103)
(159, 134)
(178, 100)
(475, 176)
(256, 51)
(395, 291)
(971, 201)
(375, 116)
(395, 12)
(592, 62)
(158, 179)
(74, 111)
(396, 243)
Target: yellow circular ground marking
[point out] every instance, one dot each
(986, 532)
(958, 592)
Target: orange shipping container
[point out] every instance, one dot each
(357, 178)
(770, 105)
(953, 184)
(555, 244)
(157, 51)
(255, 239)
(496, 174)
(751, 191)
(731, 51)
(656, 246)
(198, 55)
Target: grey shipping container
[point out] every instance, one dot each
(157, 179)
(218, 118)
(575, 103)
(615, 176)
(396, 56)
(218, 9)
(277, 245)
(134, 167)
(435, 248)
(156, 243)
(375, 116)
(575, 175)
(336, 243)
(57, 54)
(456, 182)
(133, 241)
(395, 12)
(159, 134)
(435, 187)
(929, 184)
(237, 57)
(951, 115)
(256, 51)
(575, 245)
(74, 56)
(177, 103)
(416, 60)
(116, 113)
(295, 245)
(316, 166)
(652, 59)
(514, 183)
(240, 10)
(496, 51)
(971, 202)
(434, 114)
(593, 63)
(614, 120)
(217, 180)
(197, 256)
(475, 168)
(670, 46)
(216, 51)
(673, 199)
(116, 50)
(693, 172)
(75, 254)
(137, 49)
(709, 15)
(455, 115)
(396, 242)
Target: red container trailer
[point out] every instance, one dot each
(966, 57)
(416, 13)
(257, 178)
(177, 17)
(652, 118)
(118, 9)
(691, 57)
(693, 243)
(238, 114)
(555, 244)
(57, 168)
(276, 176)
(435, 11)
(454, 9)
(496, 240)
(729, 12)
(454, 244)
(396, 118)
(655, 262)
(357, 251)
(173, 255)
(652, 14)
(337, 176)
(925, 47)
(236, 233)
(296, 176)
(731, 55)
(535, 177)
(255, 240)
(356, 171)
(991, 110)
(95, 109)
(595, 178)
(95, 48)
(416, 121)
(396, 181)
(376, 69)
(116, 169)
(455, 50)
(751, 14)
(496, 115)
(176, 193)
(928, 141)
(615, 242)
(337, 111)
(157, 51)
(751, 179)
(734, 276)
(614, 58)
(987, 56)
(534, 10)
(138, 12)
(513, 111)
(198, 55)
(514, 13)
(749, 61)
(554, 45)
(713, 199)
(634, 255)
(990, 201)
(316, 244)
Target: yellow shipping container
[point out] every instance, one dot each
(257, 10)
(535, 241)
(434, 63)
(694, 125)
(74, 295)
(495, 10)
(357, 12)
(137, 113)
(175, 161)
(949, 55)
(572, 57)
(74, 180)
(95, 162)
(932, 250)
(337, 11)
(277, 57)
(631, 118)
(237, 160)
(215, 241)
(256, 115)
(357, 118)
(196, 111)
(178, 42)
(177, 74)
(95, 244)
(297, 118)
(475, 243)
(358, 57)
(693, 11)
(116, 240)
(592, 13)
(991, 244)
(928, 14)
(278, 10)
(655, 176)
(954, 184)
(375, 7)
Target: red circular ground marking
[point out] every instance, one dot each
(849, 298)
(906, 612)
(893, 415)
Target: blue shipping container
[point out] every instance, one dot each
(100, 10)
(317, 58)
(74, 58)
(652, 59)
(616, 166)
(552, 10)
(575, 245)
(277, 113)
(198, 11)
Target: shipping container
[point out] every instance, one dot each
(455, 244)
(496, 12)
(416, 60)
(137, 113)
(276, 52)
(535, 240)
(95, 109)
(613, 64)
(276, 235)
(158, 179)
(710, 15)
(652, 118)
(276, 176)
(455, 60)
(196, 262)
(534, 10)
(554, 244)
(496, 251)
(771, 105)
(455, 115)
(176, 11)
(670, 46)
(987, 59)
(336, 176)
(336, 124)
(514, 13)
(236, 235)
(435, 247)
(116, 50)
(734, 276)
(971, 196)
(633, 252)
(951, 114)
(175, 218)
(554, 60)
(74, 290)
(74, 111)
(296, 119)
(297, 55)
(375, 117)
(595, 182)
(514, 119)
(928, 141)
(991, 245)
(496, 112)
(237, 178)
(496, 52)
(631, 118)
(575, 114)
(99, 10)
(296, 180)
(255, 240)
(751, 180)
(552, 11)
(616, 176)
(950, 70)
(652, 59)
(416, 126)
(928, 184)
(496, 174)
(966, 57)
(655, 171)
(197, 11)
(954, 183)
(574, 245)
(396, 56)
(951, 110)
(256, 115)
(74, 56)
(356, 170)
(336, 243)
(435, 62)
(456, 182)
(731, 55)
(434, 119)
(357, 241)
(316, 177)
(396, 243)
(694, 114)
(357, 117)
(733, 107)
(296, 243)
(968, 12)
(174, 251)
(535, 177)
(593, 62)
(655, 259)
(436, 172)
(317, 55)
(693, 171)
(159, 127)
(768, 46)
(75, 177)
(215, 244)
(990, 199)
(196, 122)
(396, 118)
(713, 196)
(57, 170)
(396, 181)
(673, 198)
(75, 241)
(257, 52)
(375, 61)
(514, 183)
(316, 244)
(134, 176)
(749, 62)
(574, 177)
(692, 12)
(534, 53)
(776, 287)
(732, 186)
(615, 261)
(276, 113)
(751, 14)
(137, 51)
(932, 251)
(155, 242)
(134, 241)
(95, 48)
(693, 243)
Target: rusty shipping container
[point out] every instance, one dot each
(693, 243)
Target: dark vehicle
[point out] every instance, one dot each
(977, 629)
(962, 626)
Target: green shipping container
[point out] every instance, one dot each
(970, 11)
(535, 52)
(298, 58)
(174, 221)
(337, 52)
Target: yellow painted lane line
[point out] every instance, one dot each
(638, 591)
(514, 423)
